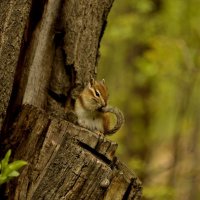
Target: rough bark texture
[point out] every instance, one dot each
(82, 38)
(66, 162)
(13, 19)
(49, 49)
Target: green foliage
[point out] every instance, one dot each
(9, 170)
(150, 60)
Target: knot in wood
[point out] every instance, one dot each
(105, 183)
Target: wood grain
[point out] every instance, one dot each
(66, 162)
(13, 19)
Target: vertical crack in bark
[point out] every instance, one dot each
(40, 56)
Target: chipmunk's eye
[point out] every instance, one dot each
(97, 93)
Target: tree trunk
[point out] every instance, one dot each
(48, 52)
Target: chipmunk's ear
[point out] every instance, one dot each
(103, 81)
(91, 83)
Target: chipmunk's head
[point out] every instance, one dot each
(95, 95)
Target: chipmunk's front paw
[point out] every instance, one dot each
(98, 133)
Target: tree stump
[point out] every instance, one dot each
(66, 162)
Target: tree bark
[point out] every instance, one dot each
(48, 52)
(13, 20)
(66, 161)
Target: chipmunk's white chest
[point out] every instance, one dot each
(90, 120)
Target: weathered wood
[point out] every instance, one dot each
(39, 56)
(56, 49)
(66, 162)
(84, 23)
(13, 19)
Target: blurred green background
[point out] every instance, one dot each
(150, 59)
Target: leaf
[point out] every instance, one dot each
(13, 174)
(4, 162)
(8, 171)
(14, 166)
(3, 179)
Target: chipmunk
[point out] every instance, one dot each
(92, 110)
